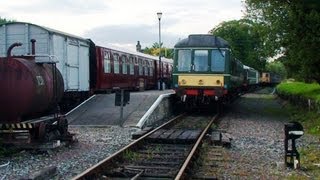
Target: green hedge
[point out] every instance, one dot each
(303, 90)
(306, 96)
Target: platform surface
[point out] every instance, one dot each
(101, 109)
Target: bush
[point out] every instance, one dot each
(307, 91)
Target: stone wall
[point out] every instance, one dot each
(301, 101)
(161, 112)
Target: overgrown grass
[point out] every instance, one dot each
(311, 91)
(309, 119)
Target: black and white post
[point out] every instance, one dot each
(159, 14)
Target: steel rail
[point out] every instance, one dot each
(195, 147)
(98, 167)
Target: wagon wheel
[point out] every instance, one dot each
(42, 131)
(63, 126)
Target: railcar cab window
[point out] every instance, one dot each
(200, 60)
(218, 60)
(124, 64)
(116, 63)
(184, 60)
(107, 65)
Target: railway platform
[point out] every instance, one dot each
(100, 110)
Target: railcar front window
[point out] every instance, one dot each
(218, 60)
(200, 60)
(184, 60)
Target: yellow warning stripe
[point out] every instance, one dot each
(17, 126)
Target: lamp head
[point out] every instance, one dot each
(159, 14)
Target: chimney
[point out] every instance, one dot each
(138, 47)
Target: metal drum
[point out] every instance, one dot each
(27, 88)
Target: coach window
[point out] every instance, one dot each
(150, 69)
(131, 65)
(107, 65)
(140, 67)
(218, 60)
(164, 71)
(124, 65)
(184, 60)
(146, 68)
(200, 60)
(116, 63)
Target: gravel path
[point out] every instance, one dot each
(94, 145)
(256, 124)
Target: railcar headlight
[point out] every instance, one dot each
(218, 81)
(184, 81)
(201, 82)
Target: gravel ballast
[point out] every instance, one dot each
(94, 144)
(256, 124)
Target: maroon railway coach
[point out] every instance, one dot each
(123, 69)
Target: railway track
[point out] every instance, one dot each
(164, 153)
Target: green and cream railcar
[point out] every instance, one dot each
(251, 76)
(205, 70)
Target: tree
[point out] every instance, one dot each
(277, 67)
(4, 20)
(245, 41)
(154, 50)
(292, 30)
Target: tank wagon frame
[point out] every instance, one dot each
(30, 88)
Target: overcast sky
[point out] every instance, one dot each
(124, 22)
